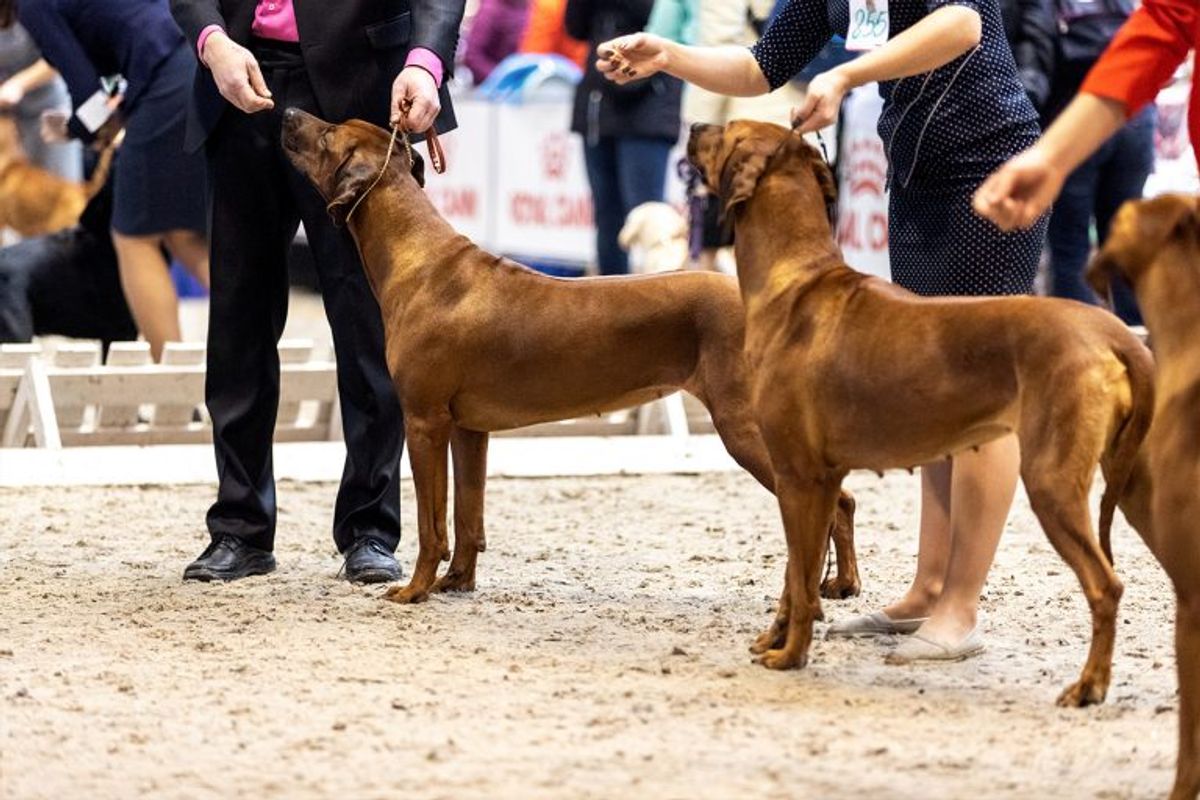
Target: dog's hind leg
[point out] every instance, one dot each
(1060, 504)
(469, 451)
(428, 437)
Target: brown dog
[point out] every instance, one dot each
(853, 372)
(477, 343)
(1156, 245)
(34, 202)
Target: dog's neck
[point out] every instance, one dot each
(1169, 297)
(783, 239)
(400, 235)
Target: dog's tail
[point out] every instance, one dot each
(1122, 455)
(100, 173)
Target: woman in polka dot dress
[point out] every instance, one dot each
(954, 111)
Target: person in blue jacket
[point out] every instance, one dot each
(159, 192)
(954, 110)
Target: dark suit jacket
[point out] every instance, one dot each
(353, 50)
(89, 39)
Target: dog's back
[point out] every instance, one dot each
(34, 201)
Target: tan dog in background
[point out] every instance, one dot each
(852, 372)
(1156, 245)
(656, 237)
(33, 201)
(477, 343)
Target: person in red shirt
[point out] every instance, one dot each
(1138, 63)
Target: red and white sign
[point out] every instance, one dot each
(862, 196)
(543, 202)
(463, 194)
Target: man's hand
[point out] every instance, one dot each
(54, 126)
(236, 72)
(822, 102)
(1018, 193)
(632, 57)
(415, 102)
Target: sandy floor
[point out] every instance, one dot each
(604, 655)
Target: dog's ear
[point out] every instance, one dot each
(743, 168)
(418, 168)
(1139, 232)
(827, 181)
(355, 180)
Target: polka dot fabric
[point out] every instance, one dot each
(944, 132)
(938, 245)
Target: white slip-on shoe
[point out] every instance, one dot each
(877, 623)
(918, 648)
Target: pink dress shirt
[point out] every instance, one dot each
(276, 19)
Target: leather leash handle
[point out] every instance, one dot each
(437, 156)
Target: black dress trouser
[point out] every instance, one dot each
(258, 198)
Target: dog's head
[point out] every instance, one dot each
(733, 159)
(1142, 231)
(343, 161)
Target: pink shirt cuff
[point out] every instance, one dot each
(426, 60)
(204, 34)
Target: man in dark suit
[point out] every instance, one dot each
(349, 59)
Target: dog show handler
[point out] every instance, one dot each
(344, 60)
(954, 110)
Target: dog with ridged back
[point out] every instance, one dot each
(477, 343)
(852, 372)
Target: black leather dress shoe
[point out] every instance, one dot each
(227, 559)
(369, 561)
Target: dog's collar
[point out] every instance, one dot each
(437, 157)
(383, 170)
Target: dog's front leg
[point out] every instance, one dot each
(1187, 657)
(428, 436)
(469, 450)
(807, 506)
(775, 636)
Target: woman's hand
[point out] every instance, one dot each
(1018, 193)
(12, 92)
(632, 57)
(822, 102)
(54, 126)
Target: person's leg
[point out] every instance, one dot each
(368, 503)
(1070, 232)
(601, 161)
(981, 493)
(146, 280)
(1123, 177)
(190, 248)
(253, 220)
(933, 550)
(641, 171)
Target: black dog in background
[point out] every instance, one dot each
(66, 283)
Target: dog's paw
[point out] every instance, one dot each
(838, 588)
(454, 582)
(406, 594)
(782, 659)
(1083, 693)
(772, 638)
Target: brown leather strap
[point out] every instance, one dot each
(437, 156)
